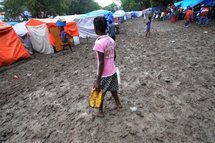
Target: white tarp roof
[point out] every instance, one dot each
(85, 22)
(119, 13)
(20, 29)
(39, 36)
(68, 18)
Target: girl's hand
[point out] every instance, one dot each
(97, 86)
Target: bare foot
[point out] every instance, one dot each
(119, 106)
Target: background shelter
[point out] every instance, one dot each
(119, 16)
(85, 22)
(11, 48)
(45, 34)
(22, 32)
(68, 18)
(185, 3)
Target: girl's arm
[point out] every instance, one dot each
(101, 67)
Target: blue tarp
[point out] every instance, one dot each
(185, 3)
(108, 14)
(12, 23)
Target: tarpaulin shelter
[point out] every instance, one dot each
(128, 15)
(22, 32)
(68, 18)
(44, 34)
(185, 3)
(136, 13)
(85, 22)
(119, 16)
(11, 48)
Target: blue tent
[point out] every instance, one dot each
(185, 3)
(107, 14)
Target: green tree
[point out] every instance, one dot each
(129, 5)
(13, 8)
(82, 6)
(163, 3)
(112, 7)
(38, 8)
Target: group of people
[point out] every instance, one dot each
(201, 16)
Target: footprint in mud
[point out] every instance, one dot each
(6, 134)
(8, 118)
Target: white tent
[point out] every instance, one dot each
(22, 32)
(68, 18)
(39, 36)
(20, 29)
(40, 39)
(85, 22)
(119, 13)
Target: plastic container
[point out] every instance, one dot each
(95, 98)
(61, 23)
(76, 40)
(118, 75)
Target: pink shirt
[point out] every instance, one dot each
(105, 44)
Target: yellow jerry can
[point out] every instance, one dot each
(95, 98)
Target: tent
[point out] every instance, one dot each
(128, 15)
(11, 48)
(85, 22)
(44, 34)
(68, 18)
(185, 3)
(119, 16)
(22, 32)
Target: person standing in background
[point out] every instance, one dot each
(112, 30)
(188, 16)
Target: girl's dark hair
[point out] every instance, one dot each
(150, 17)
(100, 23)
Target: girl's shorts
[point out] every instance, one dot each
(109, 83)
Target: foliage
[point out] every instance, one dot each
(38, 8)
(82, 6)
(160, 2)
(112, 7)
(129, 5)
(43, 8)
(13, 8)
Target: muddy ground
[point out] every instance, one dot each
(169, 77)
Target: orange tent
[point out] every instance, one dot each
(11, 48)
(54, 37)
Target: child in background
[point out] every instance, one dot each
(148, 27)
(63, 34)
(65, 38)
(106, 70)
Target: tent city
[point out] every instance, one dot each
(101, 71)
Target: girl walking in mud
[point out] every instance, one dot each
(106, 79)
